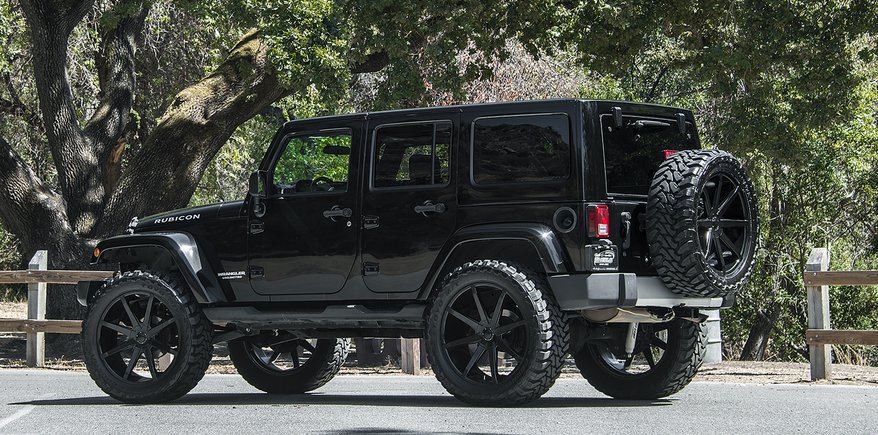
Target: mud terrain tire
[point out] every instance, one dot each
(701, 223)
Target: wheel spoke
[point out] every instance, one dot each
(295, 357)
(717, 246)
(469, 322)
(498, 310)
(274, 356)
(150, 362)
(721, 210)
(148, 313)
(733, 223)
(306, 345)
(495, 376)
(507, 328)
(120, 348)
(708, 239)
(135, 357)
(628, 362)
(708, 204)
(164, 347)
(483, 318)
(505, 347)
(476, 356)
(738, 251)
(152, 332)
(650, 359)
(135, 322)
(122, 329)
(716, 196)
(470, 339)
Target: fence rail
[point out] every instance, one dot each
(820, 337)
(36, 325)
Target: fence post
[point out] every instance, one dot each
(818, 315)
(410, 358)
(36, 310)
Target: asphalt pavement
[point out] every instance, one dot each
(56, 402)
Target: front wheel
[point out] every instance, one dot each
(493, 337)
(666, 357)
(286, 364)
(145, 338)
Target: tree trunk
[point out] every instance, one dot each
(760, 333)
(165, 173)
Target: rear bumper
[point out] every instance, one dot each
(599, 291)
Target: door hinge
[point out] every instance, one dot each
(257, 227)
(370, 268)
(257, 272)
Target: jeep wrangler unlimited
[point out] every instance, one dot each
(506, 235)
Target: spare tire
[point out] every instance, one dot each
(701, 223)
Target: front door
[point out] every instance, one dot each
(409, 205)
(305, 240)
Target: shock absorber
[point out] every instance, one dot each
(630, 339)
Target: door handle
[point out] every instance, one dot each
(429, 207)
(337, 211)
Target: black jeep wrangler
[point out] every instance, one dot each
(507, 235)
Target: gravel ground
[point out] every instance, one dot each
(12, 354)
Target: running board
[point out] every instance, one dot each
(331, 317)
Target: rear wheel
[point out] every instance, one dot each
(286, 364)
(666, 357)
(145, 338)
(493, 337)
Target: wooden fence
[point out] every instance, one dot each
(36, 325)
(820, 337)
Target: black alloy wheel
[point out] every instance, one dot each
(493, 338)
(145, 339)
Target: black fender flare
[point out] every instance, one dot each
(183, 249)
(546, 244)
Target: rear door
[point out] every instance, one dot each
(635, 143)
(409, 203)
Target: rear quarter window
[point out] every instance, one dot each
(520, 149)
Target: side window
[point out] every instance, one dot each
(315, 162)
(411, 154)
(517, 149)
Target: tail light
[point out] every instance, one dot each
(669, 153)
(598, 221)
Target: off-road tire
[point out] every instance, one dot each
(701, 223)
(485, 307)
(259, 370)
(680, 360)
(168, 322)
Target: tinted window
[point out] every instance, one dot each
(634, 151)
(411, 154)
(315, 162)
(521, 149)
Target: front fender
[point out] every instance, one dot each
(182, 249)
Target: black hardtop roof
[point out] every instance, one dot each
(490, 107)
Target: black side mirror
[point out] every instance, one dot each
(258, 181)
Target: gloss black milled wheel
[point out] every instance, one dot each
(145, 339)
(665, 358)
(493, 337)
(286, 364)
(701, 223)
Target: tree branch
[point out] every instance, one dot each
(166, 171)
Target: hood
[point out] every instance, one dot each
(185, 217)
